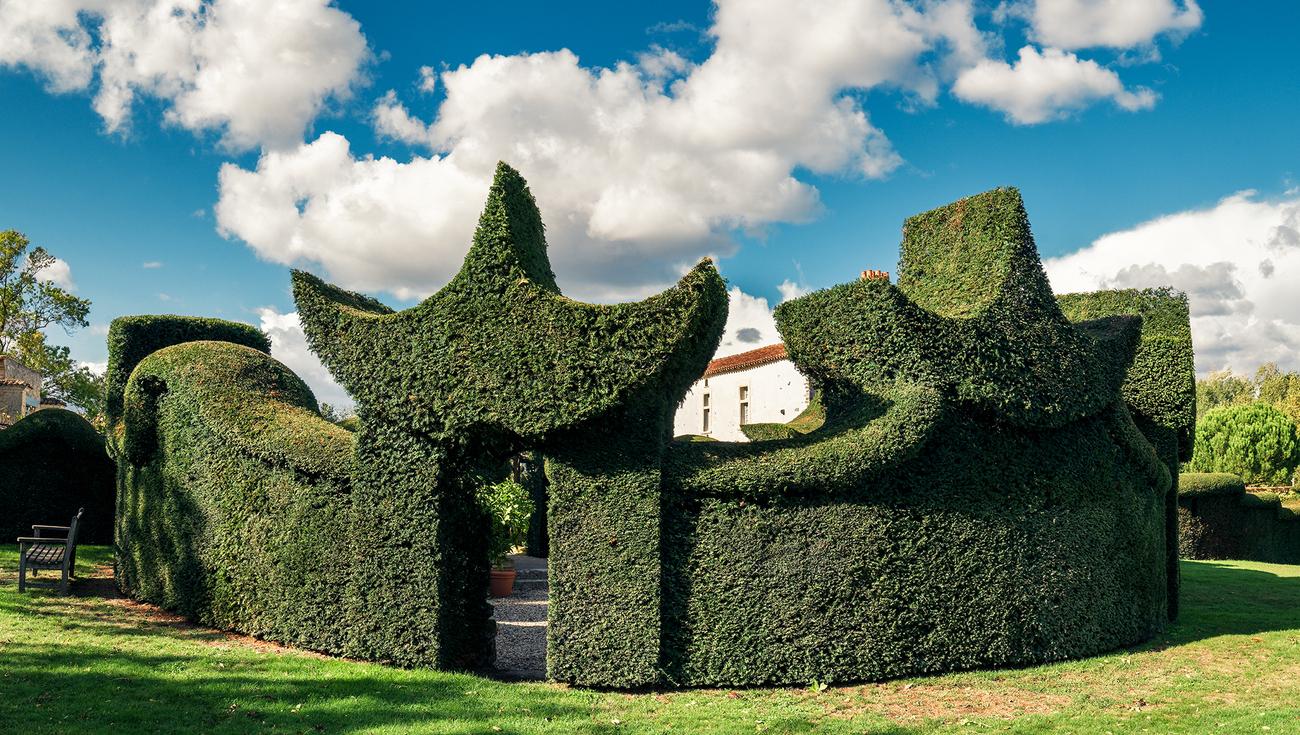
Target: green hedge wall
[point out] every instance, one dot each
(53, 462)
(1220, 519)
(978, 494)
(132, 338)
(1203, 484)
(233, 496)
(1160, 386)
(496, 361)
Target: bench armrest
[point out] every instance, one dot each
(51, 528)
(39, 540)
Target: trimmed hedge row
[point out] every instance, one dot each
(496, 361)
(233, 504)
(1160, 386)
(1221, 519)
(53, 462)
(977, 496)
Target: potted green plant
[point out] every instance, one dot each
(508, 508)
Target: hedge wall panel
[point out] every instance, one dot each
(1221, 519)
(978, 494)
(233, 496)
(53, 462)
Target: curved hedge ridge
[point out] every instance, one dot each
(52, 462)
(234, 495)
(1160, 388)
(496, 361)
(978, 494)
(1220, 519)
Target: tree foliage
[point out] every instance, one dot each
(31, 303)
(1255, 441)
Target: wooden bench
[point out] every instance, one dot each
(49, 552)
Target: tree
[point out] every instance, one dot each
(70, 382)
(1256, 441)
(30, 303)
(1222, 388)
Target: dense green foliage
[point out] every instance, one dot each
(1202, 484)
(1160, 388)
(1220, 519)
(508, 509)
(494, 362)
(1255, 441)
(53, 462)
(132, 338)
(1270, 384)
(233, 505)
(965, 421)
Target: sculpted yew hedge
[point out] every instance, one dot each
(972, 488)
(52, 463)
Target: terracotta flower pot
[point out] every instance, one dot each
(503, 582)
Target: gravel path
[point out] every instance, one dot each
(521, 622)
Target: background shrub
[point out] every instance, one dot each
(1255, 441)
(1221, 519)
(53, 462)
(508, 508)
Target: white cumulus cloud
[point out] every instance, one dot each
(1045, 85)
(1075, 24)
(255, 71)
(59, 273)
(640, 169)
(750, 324)
(1237, 261)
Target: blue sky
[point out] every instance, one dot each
(1138, 139)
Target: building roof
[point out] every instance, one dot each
(746, 360)
(52, 401)
(14, 381)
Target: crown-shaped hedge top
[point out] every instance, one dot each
(972, 315)
(500, 346)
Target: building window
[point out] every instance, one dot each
(744, 405)
(706, 413)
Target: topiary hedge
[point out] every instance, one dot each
(1160, 387)
(234, 506)
(496, 361)
(1255, 441)
(132, 338)
(53, 462)
(978, 494)
(1221, 519)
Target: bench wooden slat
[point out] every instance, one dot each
(45, 555)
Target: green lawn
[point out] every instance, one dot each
(90, 663)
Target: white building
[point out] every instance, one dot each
(761, 386)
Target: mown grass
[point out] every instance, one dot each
(94, 664)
